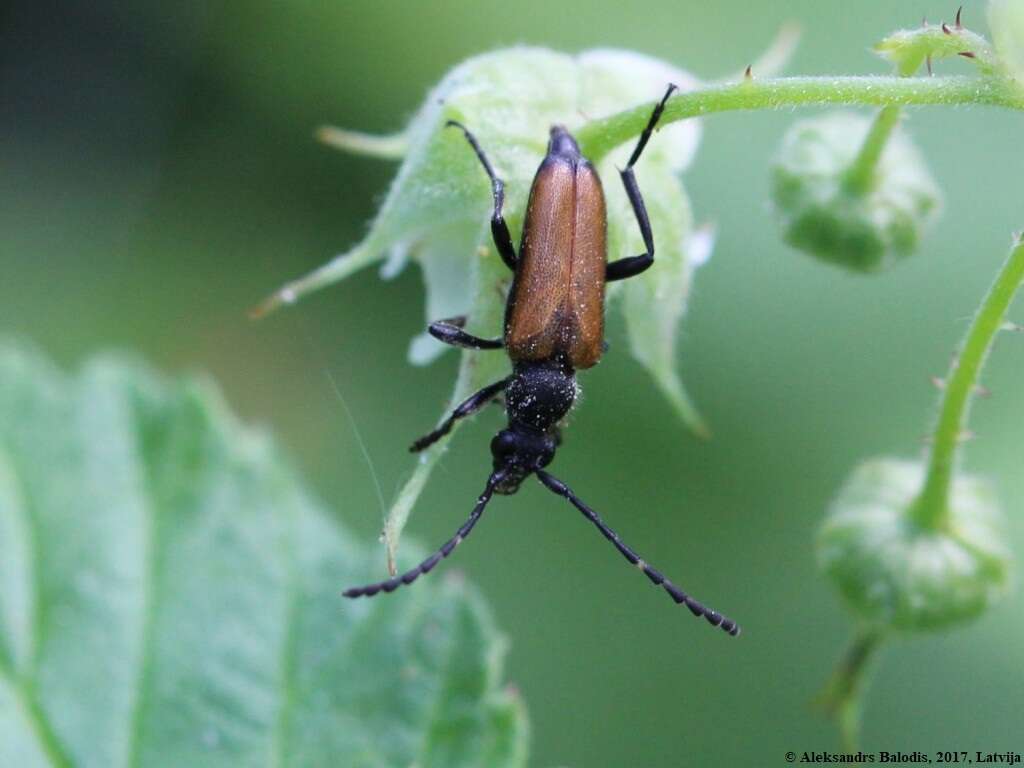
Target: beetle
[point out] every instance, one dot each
(554, 326)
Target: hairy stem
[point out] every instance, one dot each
(844, 693)
(860, 177)
(599, 137)
(931, 510)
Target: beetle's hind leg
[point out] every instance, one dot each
(499, 229)
(449, 331)
(634, 265)
(467, 407)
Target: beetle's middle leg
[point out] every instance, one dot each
(499, 229)
(450, 331)
(467, 407)
(634, 265)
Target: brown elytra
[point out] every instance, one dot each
(556, 305)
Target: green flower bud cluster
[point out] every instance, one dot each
(852, 197)
(893, 572)
(915, 546)
(909, 49)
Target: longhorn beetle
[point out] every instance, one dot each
(554, 325)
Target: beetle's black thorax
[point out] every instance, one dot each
(539, 395)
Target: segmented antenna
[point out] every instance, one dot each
(427, 565)
(696, 607)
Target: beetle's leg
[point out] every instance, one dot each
(427, 565)
(634, 265)
(450, 331)
(499, 229)
(697, 608)
(467, 407)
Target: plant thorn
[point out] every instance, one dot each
(938, 382)
(928, 62)
(1010, 326)
(967, 54)
(748, 73)
(957, 20)
(946, 29)
(982, 391)
(966, 435)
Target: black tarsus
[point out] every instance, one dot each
(449, 331)
(467, 407)
(697, 608)
(634, 265)
(449, 546)
(499, 229)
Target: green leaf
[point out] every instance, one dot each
(437, 209)
(169, 595)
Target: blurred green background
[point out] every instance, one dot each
(158, 176)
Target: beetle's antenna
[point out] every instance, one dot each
(427, 565)
(696, 608)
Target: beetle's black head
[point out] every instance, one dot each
(519, 452)
(562, 143)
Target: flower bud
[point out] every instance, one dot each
(894, 573)
(910, 49)
(862, 229)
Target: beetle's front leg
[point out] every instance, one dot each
(467, 407)
(450, 332)
(634, 265)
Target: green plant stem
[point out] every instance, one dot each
(931, 510)
(844, 693)
(599, 137)
(860, 177)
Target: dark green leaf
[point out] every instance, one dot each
(169, 595)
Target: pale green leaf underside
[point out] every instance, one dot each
(169, 596)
